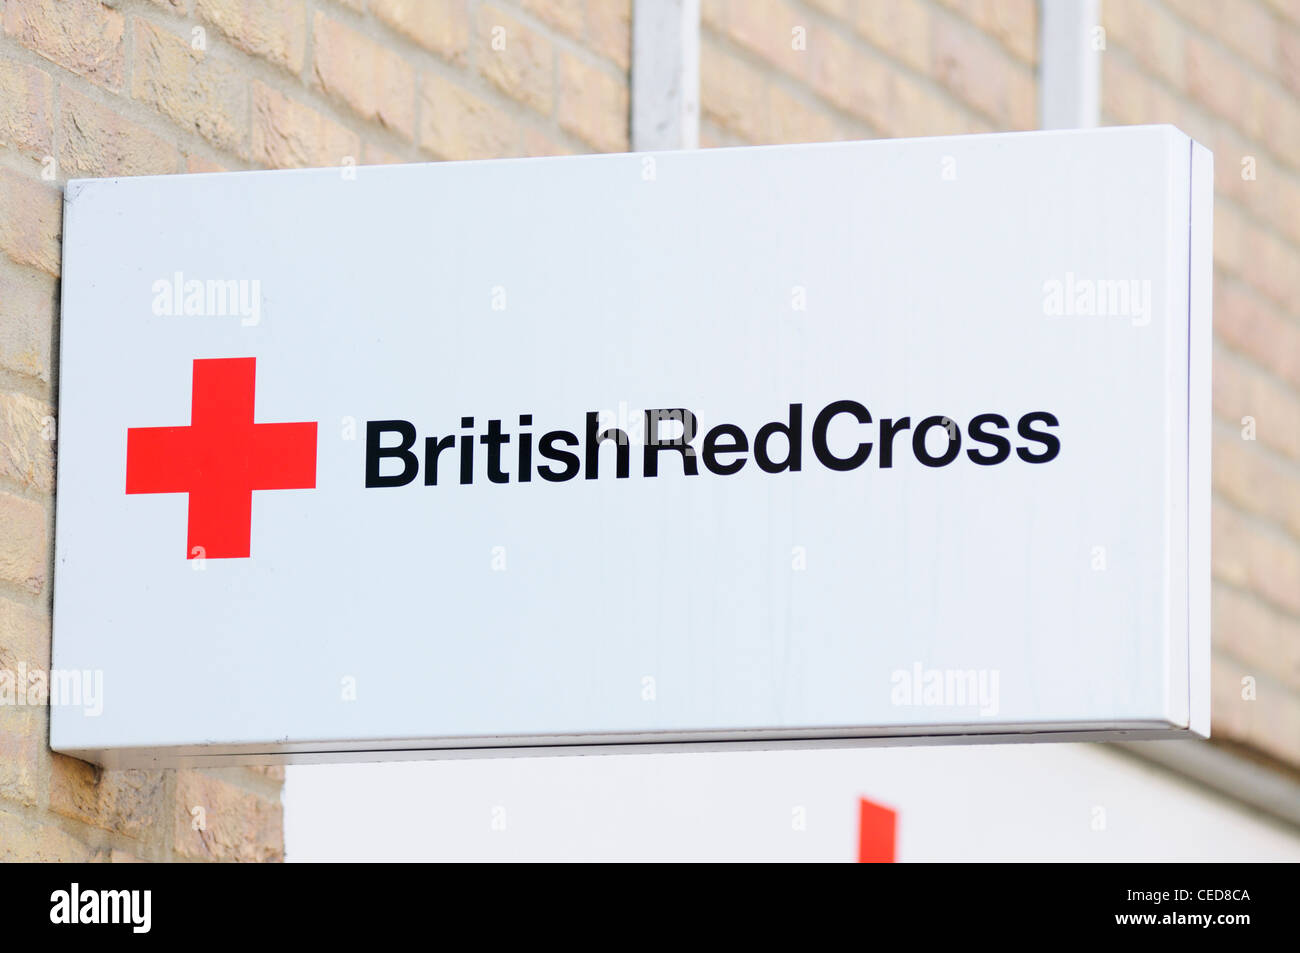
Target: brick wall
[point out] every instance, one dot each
(814, 70)
(1228, 73)
(135, 87)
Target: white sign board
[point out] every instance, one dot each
(824, 444)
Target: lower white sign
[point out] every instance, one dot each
(838, 444)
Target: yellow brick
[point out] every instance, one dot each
(768, 27)
(846, 77)
(1220, 82)
(1256, 481)
(711, 137)
(31, 214)
(275, 30)
(1230, 229)
(38, 843)
(441, 26)
(288, 135)
(1260, 258)
(129, 803)
(1271, 267)
(24, 543)
(538, 143)
(732, 94)
(1245, 26)
(913, 110)
(456, 124)
(1249, 324)
(1241, 391)
(592, 105)
(28, 310)
(1258, 635)
(1014, 23)
(1287, 8)
(565, 15)
(1130, 97)
(1270, 723)
(195, 90)
(84, 36)
(26, 109)
(24, 636)
(840, 9)
(900, 29)
(1202, 13)
(1277, 200)
(372, 154)
(1288, 51)
(1229, 148)
(1277, 122)
(236, 825)
(27, 432)
(982, 75)
(793, 120)
(609, 27)
(713, 14)
(864, 85)
(1249, 555)
(22, 746)
(201, 164)
(1146, 30)
(95, 140)
(517, 60)
(377, 83)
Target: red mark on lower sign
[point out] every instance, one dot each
(877, 833)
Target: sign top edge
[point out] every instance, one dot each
(75, 187)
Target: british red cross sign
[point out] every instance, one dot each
(828, 444)
(221, 458)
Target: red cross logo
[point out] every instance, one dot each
(221, 458)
